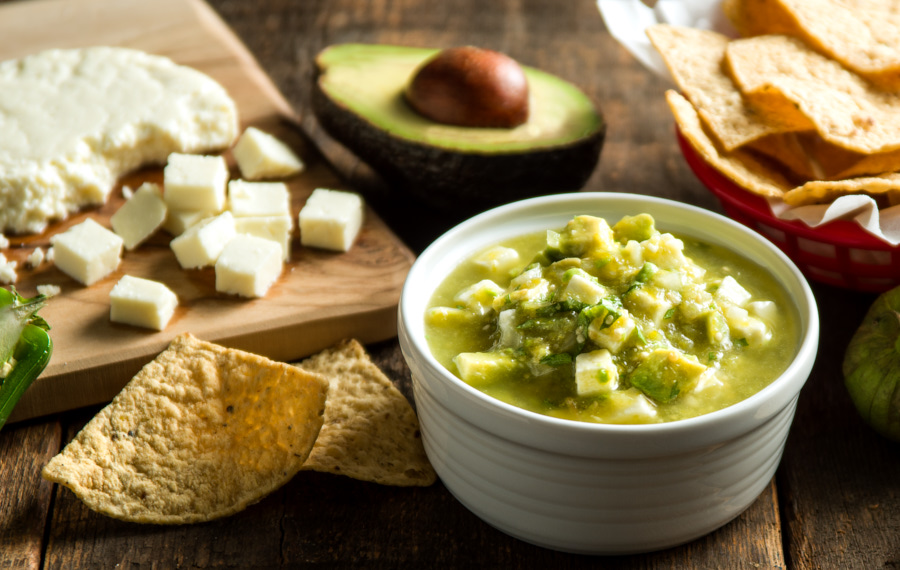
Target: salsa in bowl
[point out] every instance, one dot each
(557, 477)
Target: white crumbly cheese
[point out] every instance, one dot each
(49, 290)
(127, 192)
(7, 270)
(4, 243)
(331, 219)
(140, 216)
(195, 182)
(74, 120)
(248, 266)
(260, 155)
(36, 257)
(87, 252)
(177, 221)
(258, 198)
(201, 244)
(276, 228)
(142, 303)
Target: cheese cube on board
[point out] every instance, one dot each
(260, 155)
(201, 244)
(142, 303)
(195, 182)
(276, 228)
(177, 221)
(248, 266)
(331, 219)
(87, 252)
(140, 216)
(258, 198)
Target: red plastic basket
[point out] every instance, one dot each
(838, 253)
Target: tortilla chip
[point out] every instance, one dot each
(884, 188)
(834, 163)
(371, 432)
(739, 166)
(845, 109)
(201, 432)
(758, 17)
(788, 149)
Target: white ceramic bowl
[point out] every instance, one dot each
(593, 488)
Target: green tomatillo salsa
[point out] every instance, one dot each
(619, 324)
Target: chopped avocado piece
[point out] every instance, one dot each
(447, 316)
(717, 332)
(586, 236)
(665, 373)
(636, 228)
(483, 368)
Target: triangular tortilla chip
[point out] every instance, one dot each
(695, 58)
(201, 432)
(739, 166)
(371, 432)
(884, 189)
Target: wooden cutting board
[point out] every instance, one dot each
(320, 298)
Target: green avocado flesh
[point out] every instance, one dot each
(369, 80)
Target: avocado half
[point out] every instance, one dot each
(358, 99)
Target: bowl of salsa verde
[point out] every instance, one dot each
(606, 373)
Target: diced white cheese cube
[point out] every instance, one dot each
(87, 252)
(613, 337)
(177, 221)
(258, 198)
(195, 182)
(630, 406)
(142, 303)
(4, 241)
(742, 325)
(140, 216)
(331, 219)
(276, 228)
(479, 297)
(201, 244)
(498, 260)
(633, 253)
(765, 310)
(248, 266)
(730, 291)
(583, 288)
(261, 155)
(595, 373)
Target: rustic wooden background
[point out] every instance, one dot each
(834, 503)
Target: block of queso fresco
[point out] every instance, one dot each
(87, 252)
(142, 303)
(248, 266)
(260, 155)
(201, 244)
(195, 182)
(331, 219)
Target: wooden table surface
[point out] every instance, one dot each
(834, 502)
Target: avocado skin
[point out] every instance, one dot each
(466, 182)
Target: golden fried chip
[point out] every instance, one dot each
(741, 167)
(758, 17)
(832, 162)
(371, 432)
(695, 58)
(201, 432)
(885, 188)
(788, 150)
(782, 72)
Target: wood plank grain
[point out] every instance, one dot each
(320, 298)
(24, 496)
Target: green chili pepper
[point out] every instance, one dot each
(24, 338)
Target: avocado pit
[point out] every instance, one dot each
(470, 87)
